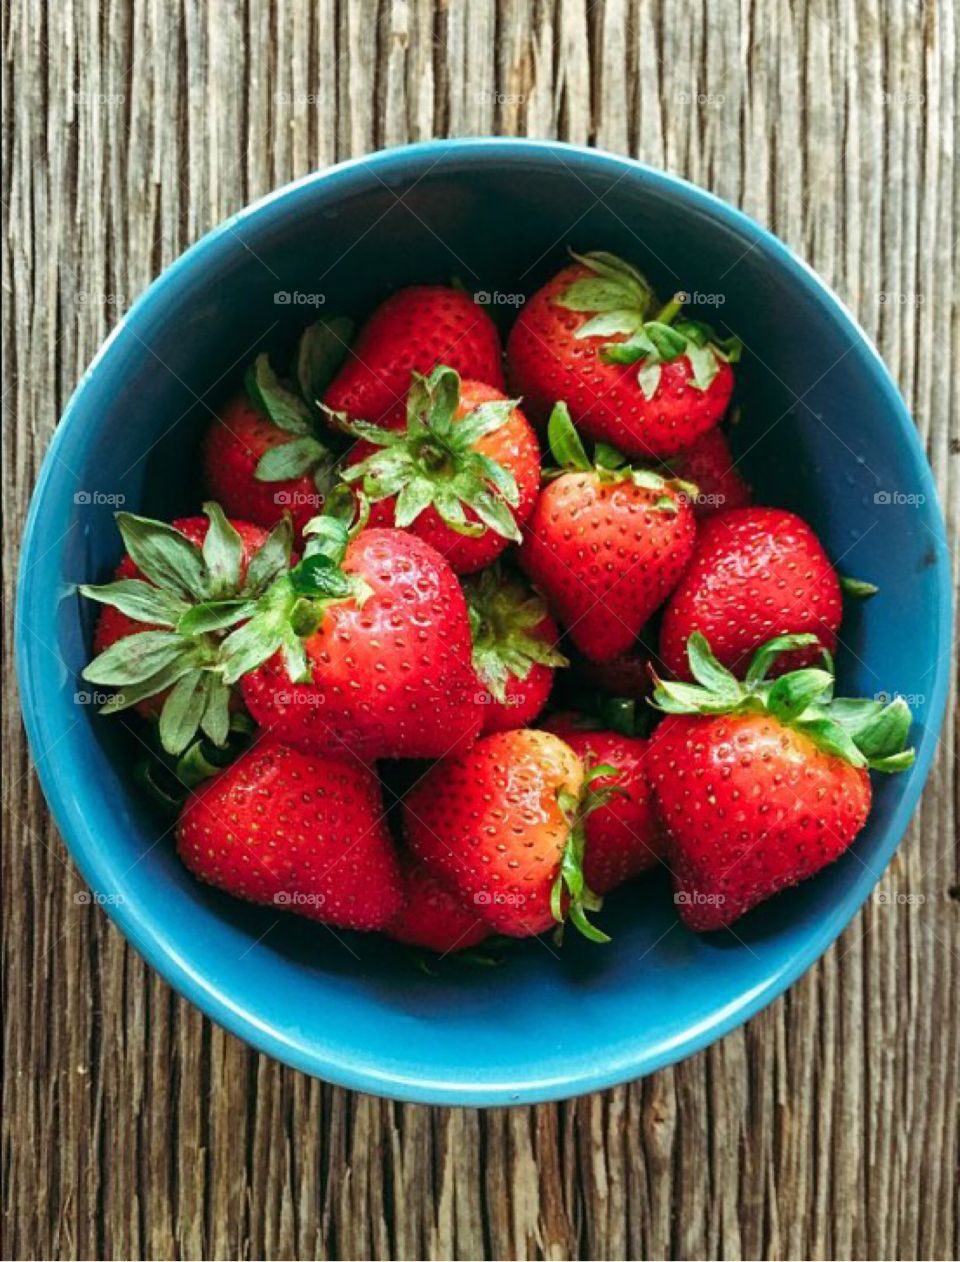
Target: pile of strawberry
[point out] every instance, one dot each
(410, 591)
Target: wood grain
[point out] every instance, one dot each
(827, 1127)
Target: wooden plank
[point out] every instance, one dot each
(828, 1127)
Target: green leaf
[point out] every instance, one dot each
(792, 694)
(833, 739)
(565, 444)
(614, 268)
(320, 575)
(215, 615)
(637, 347)
(879, 733)
(857, 587)
(498, 476)
(600, 294)
(894, 762)
(327, 536)
(765, 656)
(182, 711)
(271, 559)
(138, 600)
(136, 658)
(164, 556)
(250, 645)
(412, 498)
(694, 331)
(216, 714)
(669, 344)
(648, 379)
(495, 514)
(323, 348)
(485, 418)
(707, 671)
(607, 457)
(610, 323)
(290, 460)
(704, 366)
(154, 684)
(222, 554)
(286, 409)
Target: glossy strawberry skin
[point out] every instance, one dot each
(432, 916)
(514, 446)
(710, 466)
(232, 449)
(297, 832)
(525, 698)
(489, 824)
(749, 807)
(624, 837)
(391, 679)
(755, 573)
(112, 625)
(412, 331)
(547, 362)
(604, 557)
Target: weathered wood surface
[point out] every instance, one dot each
(827, 1128)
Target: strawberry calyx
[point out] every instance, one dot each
(292, 608)
(570, 896)
(608, 464)
(295, 409)
(624, 303)
(433, 462)
(864, 732)
(168, 779)
(188, 595)
(504, 615)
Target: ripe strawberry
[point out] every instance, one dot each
(261, 456)
(503, 825)
(638, 378)
(301, 833)
(709, 465)
(755, 572)
(364, 646)
(463, 475)
(605, 543)
(760, 785)
(432, 916)
(623, 835)
(155, 643)
(413, 331)
(514, 648)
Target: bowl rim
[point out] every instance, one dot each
(150, 937)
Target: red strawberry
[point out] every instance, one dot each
(373, 657)
(638, 378)
(709, 465)
(298, 832)
(464, 475)
(432, 916)
(761, 785)
(514, 648)
(413, 331)
(153, 642)
(623, 835)
(755, 573)
(503, 826)
(261, 457)
(606, 544)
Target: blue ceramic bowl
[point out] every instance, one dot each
(824, 433)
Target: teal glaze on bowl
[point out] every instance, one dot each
(824, 433)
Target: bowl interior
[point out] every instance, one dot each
(823, 433)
